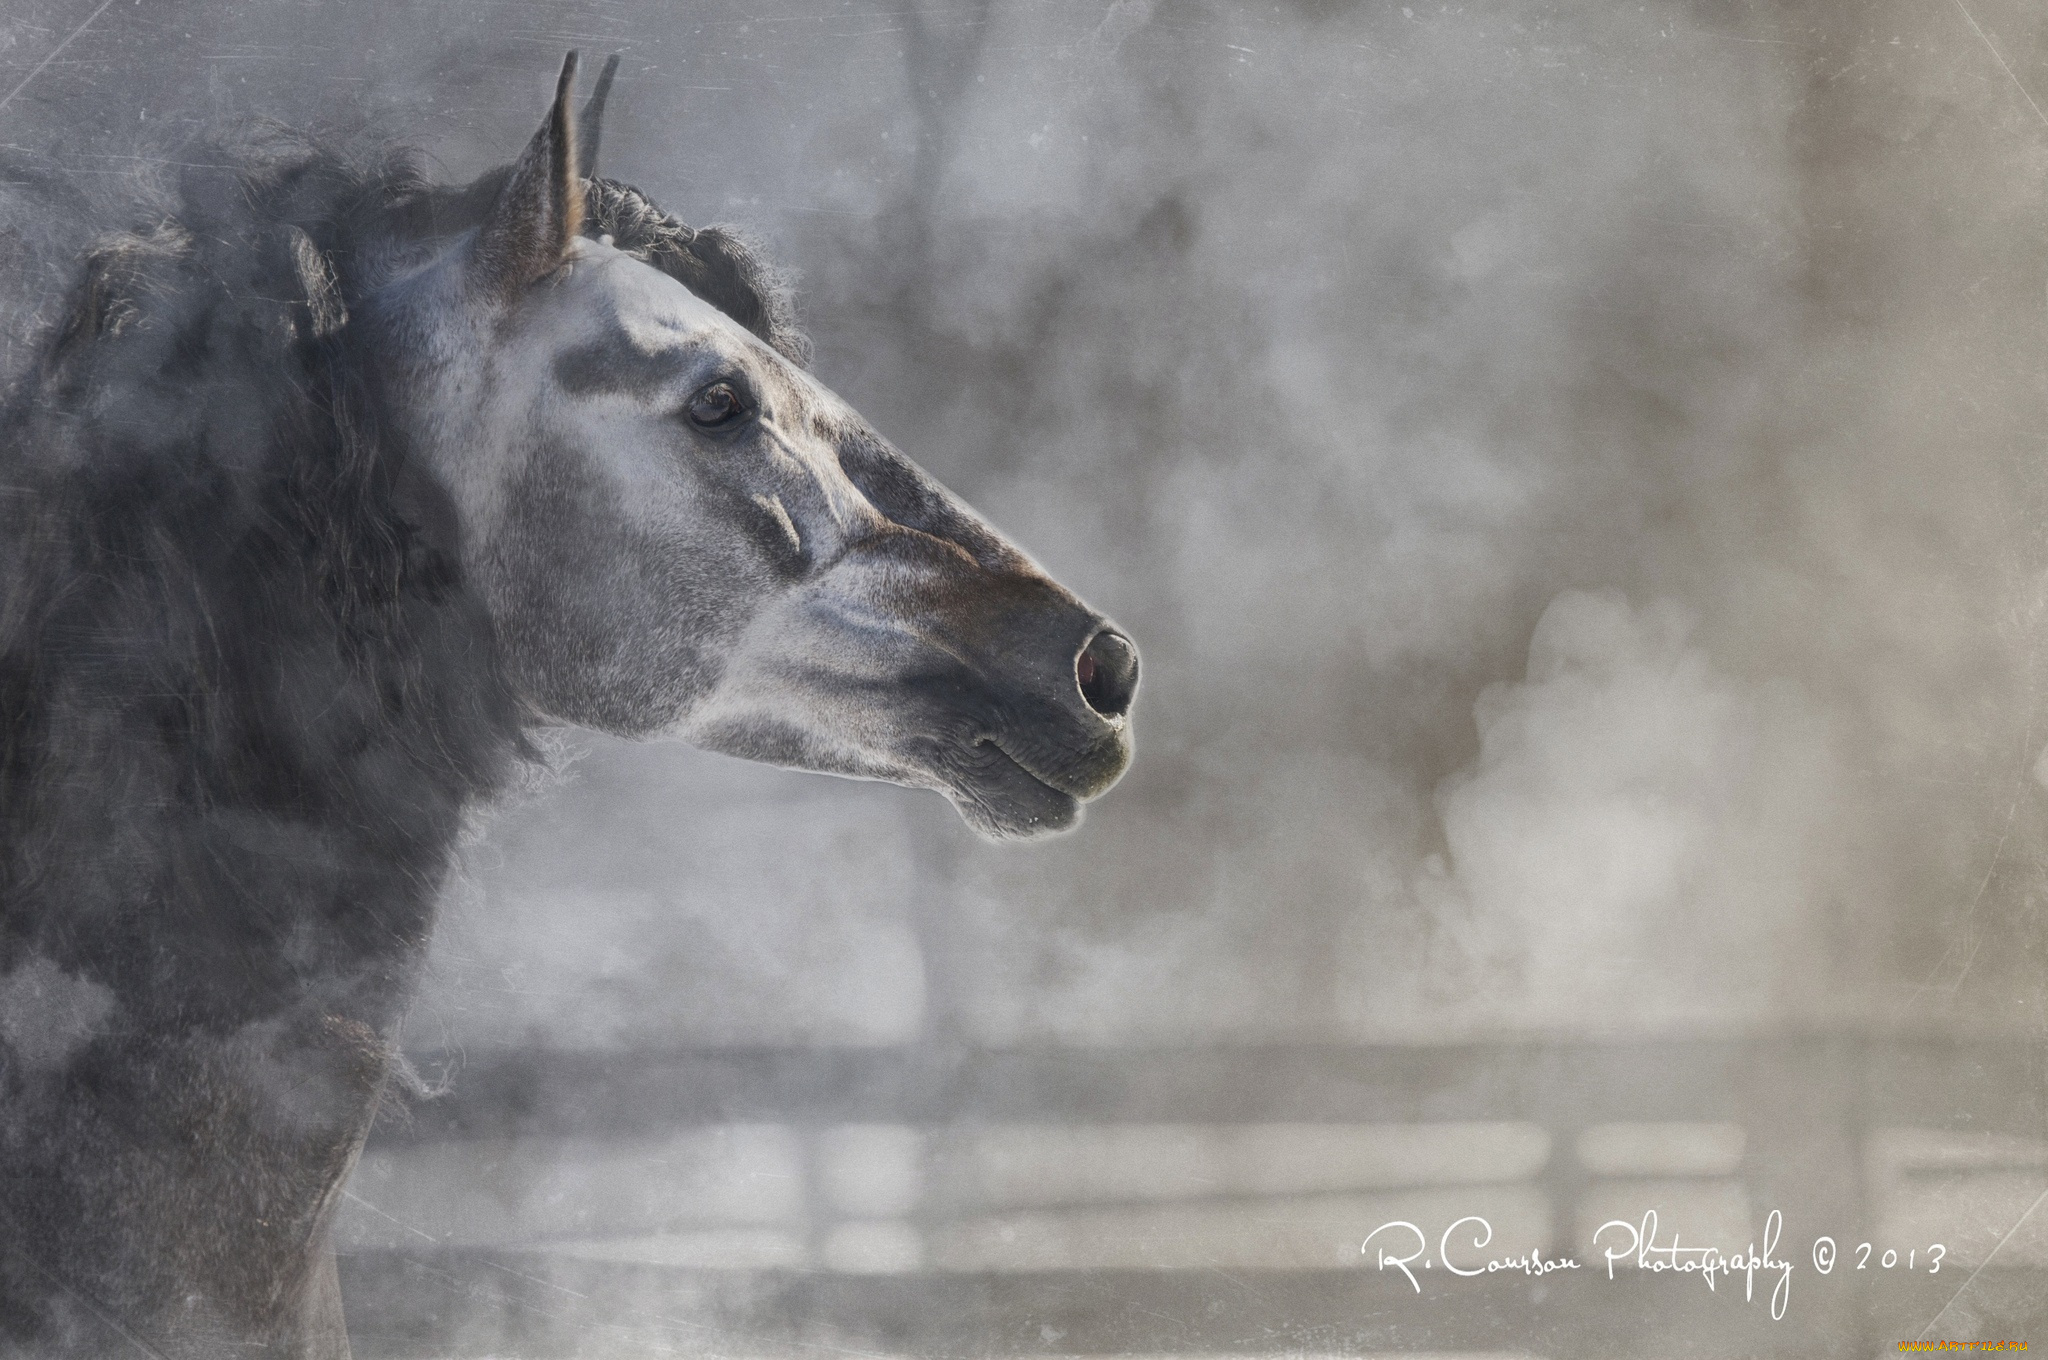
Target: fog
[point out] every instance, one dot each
(1574, 472)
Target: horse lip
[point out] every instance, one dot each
(1057, 786)
(1030, 826)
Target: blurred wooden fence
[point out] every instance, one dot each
(944, 1201)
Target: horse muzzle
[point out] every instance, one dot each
(905, 660)
(1037, 717)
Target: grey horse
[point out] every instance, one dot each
(327, 488)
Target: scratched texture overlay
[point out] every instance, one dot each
(1578, 473)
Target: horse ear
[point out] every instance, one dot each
(590, 126)
(540, 209)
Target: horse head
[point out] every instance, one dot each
(678, 531)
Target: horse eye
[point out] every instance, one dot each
(716, 407)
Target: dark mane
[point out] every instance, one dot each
(201, 505)
(246, 692)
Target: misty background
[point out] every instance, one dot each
(1575, 473)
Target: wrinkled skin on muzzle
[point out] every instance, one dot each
(681, 533)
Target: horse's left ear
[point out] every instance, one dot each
(590, 126)
(540, 209)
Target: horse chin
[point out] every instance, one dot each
(993, 793)
(1004, 801)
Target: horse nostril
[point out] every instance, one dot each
(1107, 670)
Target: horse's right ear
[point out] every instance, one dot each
(540, 209)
